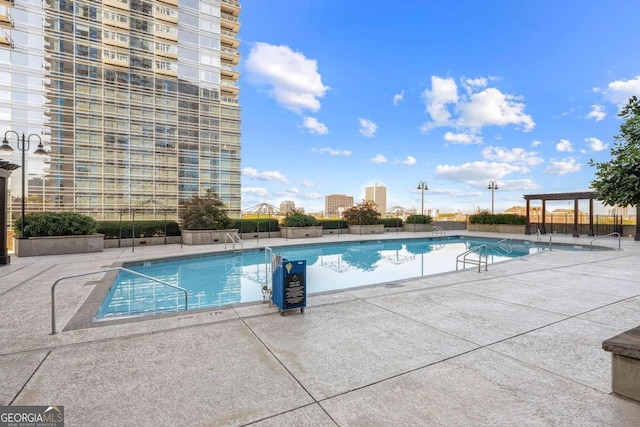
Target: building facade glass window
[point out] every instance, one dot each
(131, 111)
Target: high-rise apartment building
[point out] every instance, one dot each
(378, 195)
(137, 101)
(334, 204)
(287, 206)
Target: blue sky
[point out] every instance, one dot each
(338, 95)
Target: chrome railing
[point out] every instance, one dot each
(53, 289)
(438, 231)
(615, 233)
(480, 251)
(235, 239)
(505, 245)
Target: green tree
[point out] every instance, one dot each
(617, 181)
(297, 218)
(206, 212)
(364, 213)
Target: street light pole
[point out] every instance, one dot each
(23, 146)
(422, 186)
(493, 185)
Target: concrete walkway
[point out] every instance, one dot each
(519, 344)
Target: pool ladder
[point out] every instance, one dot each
(614, 234)
(269, 260)
(539, 239)
(438, 231)
(481, 250)
(234, 239)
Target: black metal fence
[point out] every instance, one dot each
(602, 225)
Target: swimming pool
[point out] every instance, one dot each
(222, 279)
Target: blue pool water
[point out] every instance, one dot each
(223, 279)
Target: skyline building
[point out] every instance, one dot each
(378, 195)
(287, 206)
(136, 101)
(334, 203)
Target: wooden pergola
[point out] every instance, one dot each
(576, 197)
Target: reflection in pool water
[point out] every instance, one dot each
(218, 280)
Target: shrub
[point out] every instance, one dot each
(333, 224)
(153, 228)
(255, 225)
(391, 222)
(297, 218)
(364, 213)
(204, 213)
(488, 218)
(419, 219)
(40, 224)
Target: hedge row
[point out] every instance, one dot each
(487, 218)
(255, 225)
(391, 222)
(38, 224)
(144, 228)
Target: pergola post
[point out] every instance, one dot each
(543, 228)
(576, 232)
(591, 233)
(527, 229)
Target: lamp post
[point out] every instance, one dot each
(422, 186)
(23, 145)
(493, 185)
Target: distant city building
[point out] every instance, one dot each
(433, 213)
(378, 195)
(334, 203)
(287, 206)
(619, 211)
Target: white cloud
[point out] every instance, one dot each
(518, 185)
(473, 110)
(397, 98)
(308, 184)
(595, 144)
(255, 191)
(462, 138)
(472, 85)
(367, 127)
(410, 160)
(597, 113)
(293, 79)
(564, 146)
(536, 143)
(442, 93)
(562, 167)
(331, 151)
(314, 126)
(477, 171)
(293, 191)
(492, 107)
(620, 91)
(513, 155)
(379, 158)
(264, 176)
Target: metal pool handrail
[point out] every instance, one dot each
(438, 231)
(53, 289)
(235, 238)
(615, 233)
(508, 242)
(476, 249)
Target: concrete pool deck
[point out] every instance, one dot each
(519, 344)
